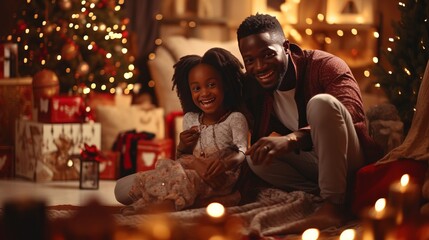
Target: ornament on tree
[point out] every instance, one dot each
(111, 4)
(64, 4)
(82, 19)
(45, 85)
(82, 69)
(70, 45)
(110, 69)
(69, 51)
(21, 26)
(48, 28)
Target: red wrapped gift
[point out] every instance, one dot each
(149, 151)
(109, 165)
(61, 109)
(8, 60)
(6, 162)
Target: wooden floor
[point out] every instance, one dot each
(57, 192)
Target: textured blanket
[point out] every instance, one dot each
(273, 215)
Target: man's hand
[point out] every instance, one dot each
(188, 140)
(267, 148)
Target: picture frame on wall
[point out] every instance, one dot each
(350, 11)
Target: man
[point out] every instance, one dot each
(308, 127)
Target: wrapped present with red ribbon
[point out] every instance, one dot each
(108, 161)
(91, 153)
(89, 167)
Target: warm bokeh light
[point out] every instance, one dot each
(348, 234)
(380, 204)
(215, 210)
(310, 234)
(405, 179)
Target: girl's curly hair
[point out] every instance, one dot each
(229, 68)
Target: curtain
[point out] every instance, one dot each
(144, 29)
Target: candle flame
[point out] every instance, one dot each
(405, 179)
(310, 234)
(380, 204)
(215, 210)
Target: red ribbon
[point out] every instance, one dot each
(91, 153)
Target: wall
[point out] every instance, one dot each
(6, 16)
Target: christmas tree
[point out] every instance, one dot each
(401, 76)
(83, 41)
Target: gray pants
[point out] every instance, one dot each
(336, 153)
(123, 187)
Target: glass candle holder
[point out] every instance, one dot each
(404, 199)
(377, 221)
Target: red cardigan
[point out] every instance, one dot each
(315, 72)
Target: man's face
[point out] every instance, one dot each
(264, 58)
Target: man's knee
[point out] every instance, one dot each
(322, 107)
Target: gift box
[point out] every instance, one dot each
(44, 151)
(109, 165)
(8, 60)
(6, 162)
(150, 151)
(61, 109)
(126, 144)
(16, 103)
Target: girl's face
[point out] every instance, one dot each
(207, 90)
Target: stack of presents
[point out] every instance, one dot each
(44, 133)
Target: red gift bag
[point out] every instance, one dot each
(126, 144)
(150, 151)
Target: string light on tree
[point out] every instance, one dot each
(401, 72)
(82, 41)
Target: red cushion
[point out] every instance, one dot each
(373, 181)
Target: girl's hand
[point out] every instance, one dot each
(214, 168)
(214, 179)
(188, 140)
(214, 174)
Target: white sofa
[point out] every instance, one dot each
(168, 54)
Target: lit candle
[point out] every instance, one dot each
(377, 221)
(212, 223)
(215, 210)
(404, 199)
(217, 224)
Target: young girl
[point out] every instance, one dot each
(211, 147)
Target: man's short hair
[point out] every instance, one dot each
(260, 23)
